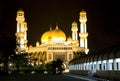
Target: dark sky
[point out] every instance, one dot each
(103, 23)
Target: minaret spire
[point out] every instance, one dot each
(57, 27)
(83, 31)
(21, 33)
(50, 27)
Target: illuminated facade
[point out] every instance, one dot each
(53, 44)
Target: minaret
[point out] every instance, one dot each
(83, 31)
(74, 30)
(21, 33)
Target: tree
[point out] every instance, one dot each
(57, 66)
(49, 67)
(7, 47)
(20, 61)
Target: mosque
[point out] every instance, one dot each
(53, 44)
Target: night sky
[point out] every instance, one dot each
(103, 23)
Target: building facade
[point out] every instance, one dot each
(53, 44)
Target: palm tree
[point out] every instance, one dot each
(59, 63)
(57, 66)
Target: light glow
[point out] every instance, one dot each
(110, 60)
(104, 61)
(118, 60)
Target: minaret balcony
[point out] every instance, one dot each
(83, 20)
(20, 34)
(25, 28)
(25, 41)
(83, 35)
(74, 29)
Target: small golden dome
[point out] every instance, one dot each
(82, 12)
(69, 39)
(37, 44)
(30, 46)
(74, 23)
(20, 11)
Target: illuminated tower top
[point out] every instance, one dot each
(21, 33)
(20, 16)
(74, 31)
(83, 17)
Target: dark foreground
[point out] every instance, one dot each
(39, 77)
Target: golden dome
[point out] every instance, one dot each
(55, 35)
(82, 12)
(20, 11)
(46, 36)
(30, 46)
(74, 23)
(58, 35)
(69, 39)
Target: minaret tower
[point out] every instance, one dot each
(74, 30)
(21, 33)
(83, 31)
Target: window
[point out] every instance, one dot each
(50, 57)
(70, 56)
